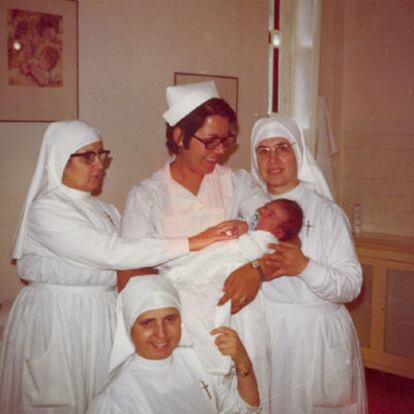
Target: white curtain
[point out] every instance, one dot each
(300, 71)
(326, 145)
(305, 45)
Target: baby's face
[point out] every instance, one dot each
(271, 216)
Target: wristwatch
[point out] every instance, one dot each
(256, 265)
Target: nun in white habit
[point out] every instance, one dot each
(316, 362)
(54, 357)
(152, 374)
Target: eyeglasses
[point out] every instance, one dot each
(90, 156)
(214, 142)
(279, 150)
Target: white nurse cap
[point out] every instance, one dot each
(183, 99)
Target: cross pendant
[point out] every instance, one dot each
(108, 216)
(308, 226)
(205, 388)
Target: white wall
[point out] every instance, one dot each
(128, 52)
(378, 114)
(366, 76)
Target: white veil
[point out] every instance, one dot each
(141, 294)
(308, 170)
(59, 141)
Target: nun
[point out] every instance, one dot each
(57, 342)
(152, 374)
(316, 365)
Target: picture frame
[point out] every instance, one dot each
(228, 86)
(39, 60)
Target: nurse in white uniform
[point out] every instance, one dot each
(316, 362)
(193, 191)
(151, 374)
(54, 357)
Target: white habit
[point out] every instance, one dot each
(316, 359)
(316, 362)
(55, 354)
(176, 384)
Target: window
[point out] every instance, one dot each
(293, 56)
(274, 55)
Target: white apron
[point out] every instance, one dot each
(315, 357)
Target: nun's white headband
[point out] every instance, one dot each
(141, 294)
(183, 99)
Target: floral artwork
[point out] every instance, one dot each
(35, 49)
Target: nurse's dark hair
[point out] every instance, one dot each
(293, 224)
(195, 120)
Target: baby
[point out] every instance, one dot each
(199, 278)
(283, 218)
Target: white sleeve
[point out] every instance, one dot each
(247, 194)
(103, 404)
(228, 398)
(337, 276)
(56, 229)
(136, 220)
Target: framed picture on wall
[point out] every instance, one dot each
(228, 86)
(39, 60)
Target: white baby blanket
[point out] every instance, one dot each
(199, 278)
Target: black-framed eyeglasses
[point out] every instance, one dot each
(214, 142)
(281, 149)
(90, 156)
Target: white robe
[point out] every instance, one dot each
(176, 385)
(55, 354)
(316, 361)
(159, 206)
(199, 277)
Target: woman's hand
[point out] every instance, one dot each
(287, 260)
(241, 287)
(240, 227)
(227, 230)
(229, 344)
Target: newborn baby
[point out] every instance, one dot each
(199, 278)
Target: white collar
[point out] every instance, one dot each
(293, 194)
(153, 364)
(74, 192)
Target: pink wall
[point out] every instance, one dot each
(128, 53)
